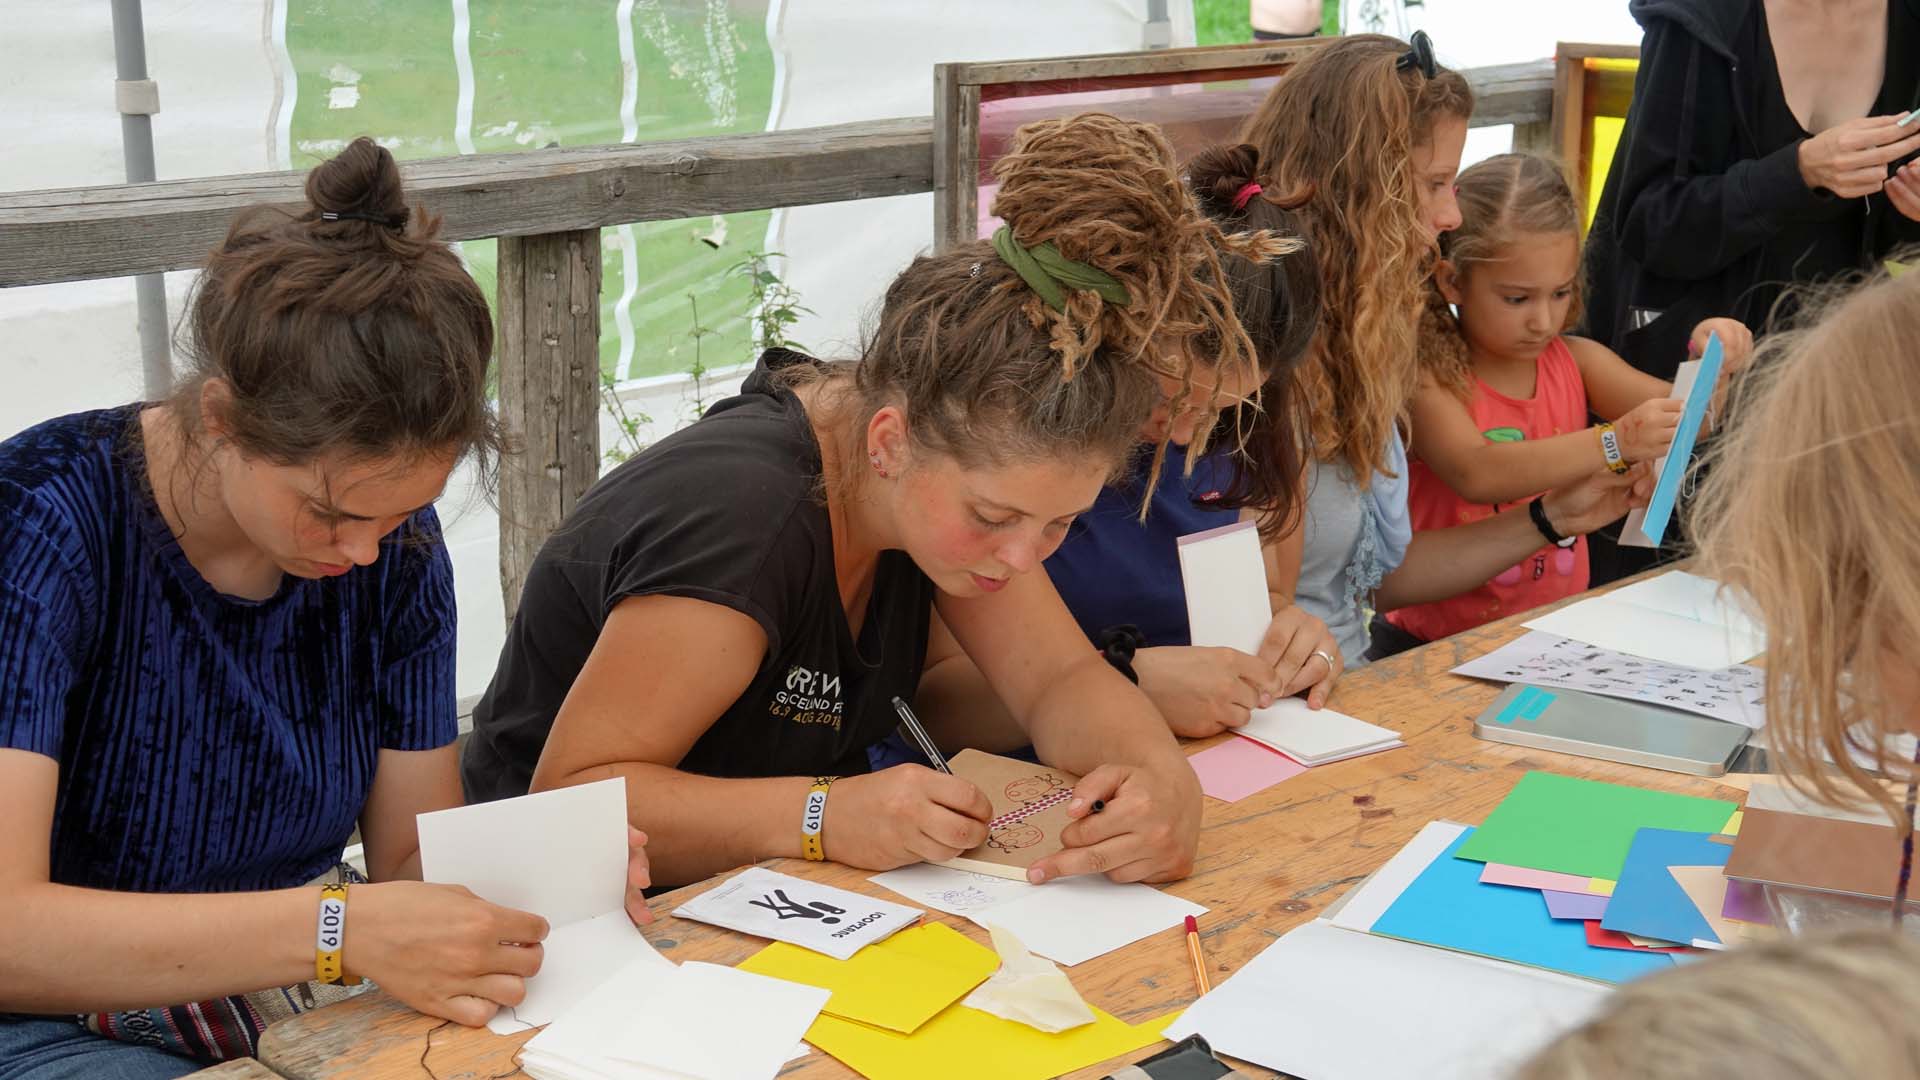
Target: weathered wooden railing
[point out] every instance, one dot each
(547, 207)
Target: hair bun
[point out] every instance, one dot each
(1219, 173)
(361, 183)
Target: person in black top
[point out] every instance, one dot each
(1759, 153)
(728, 616)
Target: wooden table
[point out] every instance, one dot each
(1267, 864)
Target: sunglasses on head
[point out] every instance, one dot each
(1419, 54)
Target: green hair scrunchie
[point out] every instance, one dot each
(1051, 274)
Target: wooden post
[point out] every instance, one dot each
(956, 157)
(1533, 138)
(549, 348)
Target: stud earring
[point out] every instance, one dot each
(873, 457)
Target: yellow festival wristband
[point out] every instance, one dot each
(811, 844)
(1610, 449)
(330, 940)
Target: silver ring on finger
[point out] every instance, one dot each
(1328, 657)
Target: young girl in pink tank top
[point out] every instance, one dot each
(1505, 396)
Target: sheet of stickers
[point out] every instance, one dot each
(1734, 694)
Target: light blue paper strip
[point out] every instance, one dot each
(1538, 705)
(1667, 490)
(1517, 707)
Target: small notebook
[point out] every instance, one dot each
(1848, 857)
(1316, 736)
(1029, 810)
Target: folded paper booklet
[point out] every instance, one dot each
(1029, 810)
(1316, 736)
(1848, 857)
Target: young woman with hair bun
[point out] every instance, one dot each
(227, 639)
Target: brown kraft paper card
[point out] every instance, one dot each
(1818, 853)
(1029, 810)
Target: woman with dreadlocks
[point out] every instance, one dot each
(726, 618)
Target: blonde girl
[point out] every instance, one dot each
(1373, 130)
(1502, 410)
(1838, 1006)
(1811, 516)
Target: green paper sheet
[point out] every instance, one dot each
(1570, 826)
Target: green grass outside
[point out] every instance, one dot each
(1224, 22)
(550, 73)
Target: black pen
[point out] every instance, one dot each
(919, 735)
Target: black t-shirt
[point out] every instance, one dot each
(730, 511)
(1836, 237)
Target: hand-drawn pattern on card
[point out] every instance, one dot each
(1736, 694)
(784, 908)
(1028, 802)
(1014, 837)
(1030, 788)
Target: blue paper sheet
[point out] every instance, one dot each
(1449, 907)
(1647, 900)
(1667, 489)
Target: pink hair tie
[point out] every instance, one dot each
(1245, 195)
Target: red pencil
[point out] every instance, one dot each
(1199, 958)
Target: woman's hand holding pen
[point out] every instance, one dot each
(903, 815)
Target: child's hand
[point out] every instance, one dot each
(1647, 431)
(1736, 344)
(1736, 354)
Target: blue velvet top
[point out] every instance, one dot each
(206, 743)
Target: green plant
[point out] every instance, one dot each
(696, 400)
(775, 305)
(626, 422)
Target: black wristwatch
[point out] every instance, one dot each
(1537, 510)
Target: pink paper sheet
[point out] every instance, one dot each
(1521, 877)
(1240, 767)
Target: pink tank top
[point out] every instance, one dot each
(1558, 405)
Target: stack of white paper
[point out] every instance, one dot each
(1069, 921)
(694, 1022)
(1316, 736)
(1333, 1002)
(561, 855)
(830, 921)
(1677, 617)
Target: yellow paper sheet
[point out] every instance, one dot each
(897, 984)
(966, 1044)
(1603, 886)
(1732, 827)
